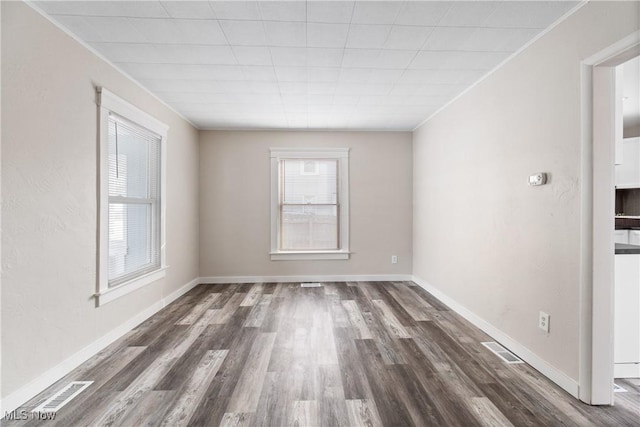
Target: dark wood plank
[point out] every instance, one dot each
(269, 288)
(272, 404)
(357, 320)
(363, 412)
(178, 373)
(354, 381)
(386, 390)
(275, 314)
(198, 310)
(332, 408)
(191, 393)
(401, 311)
(383, 339)
(419, 405)
(258, 312)
(416, 307)
(339, 316)
(253, 296)
(212, 408)
(249, 386)
(150, 410)
(450, 407)
(389, 320)
(430, 299)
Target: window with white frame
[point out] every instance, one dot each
(309, 203)
(131, 219)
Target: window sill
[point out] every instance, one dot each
(308, 255)
(110, 294)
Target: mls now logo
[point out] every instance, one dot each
(43, 416)
(16, 415)
(22, 415)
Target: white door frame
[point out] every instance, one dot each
(597, 219)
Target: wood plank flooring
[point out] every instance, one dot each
(344, 354)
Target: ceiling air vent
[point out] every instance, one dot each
(64, 396)
(502, 352)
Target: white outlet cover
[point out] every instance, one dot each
(543, 321)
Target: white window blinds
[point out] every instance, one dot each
(309, 204)
(134, 200)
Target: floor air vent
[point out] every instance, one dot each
(502, 352)
(64, 396)
(310, 285)
(618, 389)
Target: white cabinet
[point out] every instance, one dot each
(628, 173)
(627, 317)
(621, 236)
(618, 119)
(634, 237)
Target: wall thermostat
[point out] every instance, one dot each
(538, 178)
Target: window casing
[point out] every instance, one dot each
(309, 204)
(131, 248)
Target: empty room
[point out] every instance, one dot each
(320, 213)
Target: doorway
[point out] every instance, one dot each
(598, 219)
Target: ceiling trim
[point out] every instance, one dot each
(208, 129)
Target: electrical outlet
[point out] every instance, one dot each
(394, 259)
(543, 321)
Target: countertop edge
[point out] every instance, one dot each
(624, 249)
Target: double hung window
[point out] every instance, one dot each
(131, 198)
(310, 204)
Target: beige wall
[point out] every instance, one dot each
(234, 203)
(49, 197)
(500, 248)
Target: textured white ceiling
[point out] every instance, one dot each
(378, 65)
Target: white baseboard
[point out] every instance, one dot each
(287, 279)
(28, 391)
(626, 370)
(560, 378)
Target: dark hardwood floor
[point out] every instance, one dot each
(344, 354)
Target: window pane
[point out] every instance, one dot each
(309, 227)
(134, 188)
(133, 161)
(131, 241)
(309, 181)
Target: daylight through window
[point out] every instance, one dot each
(309, 204)
(132, 198)
(134, 213)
